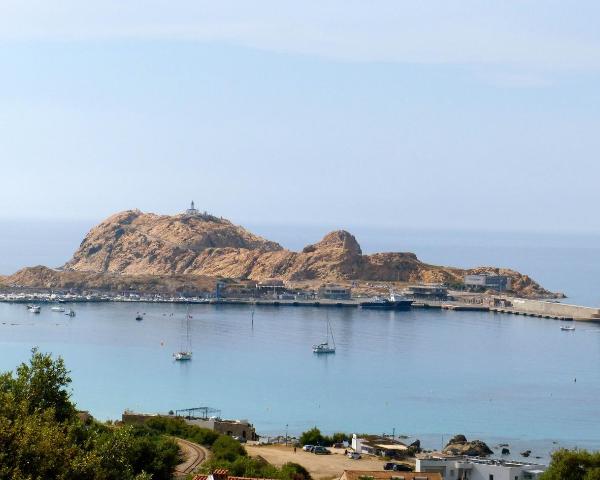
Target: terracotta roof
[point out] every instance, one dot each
(388, 475)
(205, 477)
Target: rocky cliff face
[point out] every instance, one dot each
(134, 243)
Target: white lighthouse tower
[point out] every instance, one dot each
(192, 210)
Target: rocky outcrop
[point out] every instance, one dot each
(134, 244)
(459, 445)
(50, 279)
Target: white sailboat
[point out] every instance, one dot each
(185, 352)
(326, 347)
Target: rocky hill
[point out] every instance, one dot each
(133, 243)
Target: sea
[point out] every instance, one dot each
(422, 374)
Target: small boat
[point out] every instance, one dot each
(57, 309)
(139, 317)
(70, 313)
(325, 347)
(566, 328)
(34, 308)
(185, 352)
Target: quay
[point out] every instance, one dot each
(456, 301)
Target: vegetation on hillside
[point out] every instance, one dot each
(41, 436)
(226, 452)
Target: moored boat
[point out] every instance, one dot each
(394, 302)
(185, 352)
(34, 308)
(57, 309)
(326, 347)
(566, 328)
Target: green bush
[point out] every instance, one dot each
(573, 465)
(42, 437)
(314, 437)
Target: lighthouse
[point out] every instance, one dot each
(192, 210)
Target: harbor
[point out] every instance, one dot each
(457, 301)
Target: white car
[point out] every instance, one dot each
(353, 455)
(308, 448)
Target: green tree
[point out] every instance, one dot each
(42, 437)
(573, 465)
(312, 437)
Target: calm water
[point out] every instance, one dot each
(424, 373)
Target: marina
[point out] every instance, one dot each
(425, 372)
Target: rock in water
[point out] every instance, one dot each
(459, 445)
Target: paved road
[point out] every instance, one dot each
(193, 454)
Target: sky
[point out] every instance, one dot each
(429, 114)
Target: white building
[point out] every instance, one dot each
(465, 468)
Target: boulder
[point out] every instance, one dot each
(459, 445)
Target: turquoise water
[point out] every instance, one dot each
(424, 373)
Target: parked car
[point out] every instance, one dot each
(397, 467)
(321, 451)
(240, 439)
(353, 455)
(308, 448)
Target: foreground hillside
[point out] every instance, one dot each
(138, 247)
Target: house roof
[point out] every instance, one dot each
(388, 475)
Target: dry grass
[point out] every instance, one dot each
(321, 467)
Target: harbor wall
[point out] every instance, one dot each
(554, 309)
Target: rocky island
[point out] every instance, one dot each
(136, 250)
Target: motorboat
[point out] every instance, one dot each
(566, 328)
(34, 308)
(57, 309)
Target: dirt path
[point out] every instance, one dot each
(320, 466)
(193, 455)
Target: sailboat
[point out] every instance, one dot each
(185, 352)
(326, 347)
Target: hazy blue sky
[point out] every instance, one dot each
(472, 114)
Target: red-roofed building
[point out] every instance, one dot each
(223, 474)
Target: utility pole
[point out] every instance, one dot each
(393, 433)
(286, 434)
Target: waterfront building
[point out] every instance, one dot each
(200, 417)
(388, 475)
(500, 283)
(334, 292)
(270, 286)
(379, 446)
(426, 291)
(467, 468)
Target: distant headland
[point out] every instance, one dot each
(193, 249)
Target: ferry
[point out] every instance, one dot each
(394, 302)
